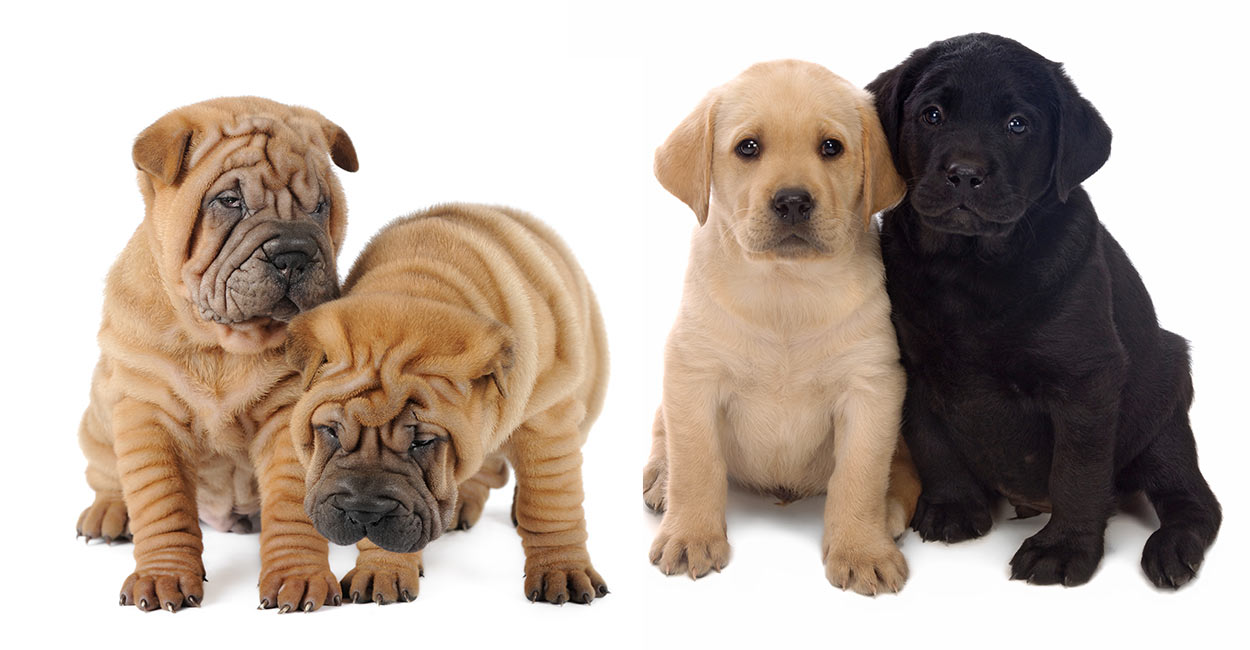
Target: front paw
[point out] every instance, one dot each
(1052, 559)
(299, 588)
(169, 590)
(864, 570)
(106, 518)
(693, 552)
(655, 484)
(384, 580)
(951, 521)
(1171, 557)
(578, 583)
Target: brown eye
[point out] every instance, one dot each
(1017, 125)
(229, 201)
(932, 115)
(830, 148)
(322, 207)
(419, 439)
(331, 435)
(748, 148)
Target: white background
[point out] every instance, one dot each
(557, 110)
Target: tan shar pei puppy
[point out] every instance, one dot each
(468, 338)
(192, 396)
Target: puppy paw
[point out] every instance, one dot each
(106, 519)
(951, 521)
(469, 507)
(655, 484)
(169, 590)
(555, 585)
(1171, 557)
(695, 553)
(868, 571)
(1051, 559)
(383, 583)
(299, 589)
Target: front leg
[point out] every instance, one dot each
(546, 453)
(294, 559)
(382, 576)
(160, 497)
(859, 549)
(1069, 547)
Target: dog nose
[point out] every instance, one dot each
(291, 263)
(365, 510)
(290, 254)
(792, 205)
(965, 175)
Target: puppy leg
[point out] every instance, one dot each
(106, 518)
(953, 506)
(904, 491)
(473, 492)
(692, 537)
(859, 550)
(1189, 515)
(294, 559)
(655, 474)
(546, 453)
(382, 576)
(169, 572)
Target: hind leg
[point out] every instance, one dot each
(106, 518)
(1189, 515)
(904, 491)
(473, 492)
(655, 474)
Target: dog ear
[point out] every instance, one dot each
(889, 103)
(683, 164)
(1082, 140)
(342, 152)
(498, 357)
(883, 187)
(160, 149)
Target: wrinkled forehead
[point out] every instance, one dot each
(275, 154)
(788, 102)
(378, 402)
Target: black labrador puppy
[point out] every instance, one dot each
(1037, 369)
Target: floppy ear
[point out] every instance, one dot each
(342, 152)
(883, 187)
(888, 103)
(683, 164)
(304, 351)
(499, 366)
(160, 149)
(1083, 139)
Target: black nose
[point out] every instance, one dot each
(290, 254)
(291, 263)
(965, 175)
(365, 510)
(792, 205)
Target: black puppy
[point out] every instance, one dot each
(1036, 366)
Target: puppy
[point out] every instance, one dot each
(1036, 367)
(192, 396)
(782, 372)
(468, 337)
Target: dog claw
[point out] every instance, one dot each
(338, 600)
(308, 606)
(355, 596)
(285, 609)
(169, 607)
(193, 601)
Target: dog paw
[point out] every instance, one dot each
(695, 554)
(384, 584)
(951, 521)
(167, 590)
(558, 586)
(106, 519)
(303, 589)
(1171, 557)
(1048, 559)
(655, 484)
(868, 571)
(469, 507)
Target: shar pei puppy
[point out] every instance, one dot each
(467, 338)
(192, 396)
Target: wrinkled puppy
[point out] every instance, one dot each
(468, 336)
(242, 225)
(782, 371)
(1037, 369)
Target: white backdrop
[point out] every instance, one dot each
(557, 109)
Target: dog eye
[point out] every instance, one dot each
(748, 148)
(830, 148)
(229, 201)
(932, 115)
(1017, 125)
(419, 439)
(328, 432)
(322, 206)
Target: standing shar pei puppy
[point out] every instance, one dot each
(191, 399)
(782, 371)
(1037, 368)
(468, 337)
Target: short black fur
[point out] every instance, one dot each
(1037, 370)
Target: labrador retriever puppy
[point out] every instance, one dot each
(468, 336)
(782, 370)
(191, 399)
(1037, 370)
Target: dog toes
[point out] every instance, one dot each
(1069, 560)
(694, 554)
(557, 586)
(302, 590)
(1171, 557)
(170, 591)
(867, 572)
(106, 518)
(951, 521)
(655, 484)
(383, 585)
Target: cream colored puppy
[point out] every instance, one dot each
(782, 371)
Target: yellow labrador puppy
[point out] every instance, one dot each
(782, 371)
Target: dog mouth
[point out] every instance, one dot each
(795, 242)
(965, 220)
